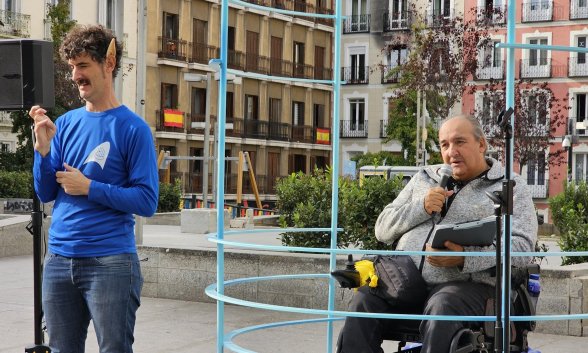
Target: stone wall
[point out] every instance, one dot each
(15, 240)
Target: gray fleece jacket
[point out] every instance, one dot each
(406, 218)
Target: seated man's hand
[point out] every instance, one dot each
(446, 261)
(435, 199)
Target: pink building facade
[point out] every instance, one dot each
(546, 22)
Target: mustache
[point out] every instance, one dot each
(82, 81)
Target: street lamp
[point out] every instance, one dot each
(568, 146)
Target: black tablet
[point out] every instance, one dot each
(475, 233)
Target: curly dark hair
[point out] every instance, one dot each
(92, 40)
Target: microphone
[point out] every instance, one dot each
(445, 171)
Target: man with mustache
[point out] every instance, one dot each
(98, 163)
(456, 285)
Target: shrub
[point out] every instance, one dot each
(169, 197)
(570, 216)
(16, 185)
(304, 201)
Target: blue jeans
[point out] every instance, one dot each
(105, 289)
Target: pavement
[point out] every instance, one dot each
(186, 327)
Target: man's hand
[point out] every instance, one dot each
(435, 199)
(446, 261)
(44, 130)
(73, 181)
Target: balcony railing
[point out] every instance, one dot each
(383, 128)
(236, 60)
(537, 10)
(324, 11)
(323, 73)
(280, 67)
(396, 21)
(300, 70)
(439, 17)
(355, 75)
(352, 128)
(577, 69)
(537, 68)
(15, 24)
(257, 63)
(357, 24)
(160, 123)
(388, 76)
(279, 131)
(202, 53)
(302, 133)
(492, 15)
(172, 48)
(494, 71)
(538, 188)
(580, 127)
(578, 9)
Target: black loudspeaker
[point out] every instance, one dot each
(26, 74)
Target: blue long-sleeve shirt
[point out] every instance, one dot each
(115, 150)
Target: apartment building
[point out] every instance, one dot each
(27, 19)
(548, 22)
(283, 124)
(376, 39)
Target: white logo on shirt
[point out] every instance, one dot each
(99, 154)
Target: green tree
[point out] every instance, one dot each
(66, 93)
(378, 158)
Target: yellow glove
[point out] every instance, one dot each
(367, 273)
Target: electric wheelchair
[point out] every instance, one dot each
(477, 339)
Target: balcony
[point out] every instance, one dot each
(355, 75)
(162, 125)
(389, 76)
(578, 9)
(302, 133)
(383, 128)
(581, 121)
(170, 48)
(236, 60)
(491, 15)
(279, 67)
(538, 188)
(257, 63)
(250, 128)
(300, 70)
(201, 53)
(324, 11)
(323, 73)
(439, 17)
(16, 25)
(397, 21)
(351, 128)
(537, 11)
(356, 24)
(536, 68)
(490, 71)
(577, 69)
(279, 131)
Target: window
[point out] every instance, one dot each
(276, 56)
(536, 170)
(357, 114)
(298, 58)
(275, 110)
(491, 55)
(439, 57)
(318, 115)
(170, 25)
(4, 146)
(229, 110)
(538, 57)
(360, 16)
(110, 19)
(358, 68)
(397, 56)
(196, 165)
(200, 51)
(198, 102)
(252, 54)
(319, 63)
(169, 96)
(581, 41)
(398, 13)
(297, 113)
(442, 8)
(581, 101)
(231, 38)
(536, 106)
(489, 107)
(251, 107)
(581, 174)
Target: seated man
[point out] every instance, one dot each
(458, 285)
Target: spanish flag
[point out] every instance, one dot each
(323, 136)
(173, 118)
